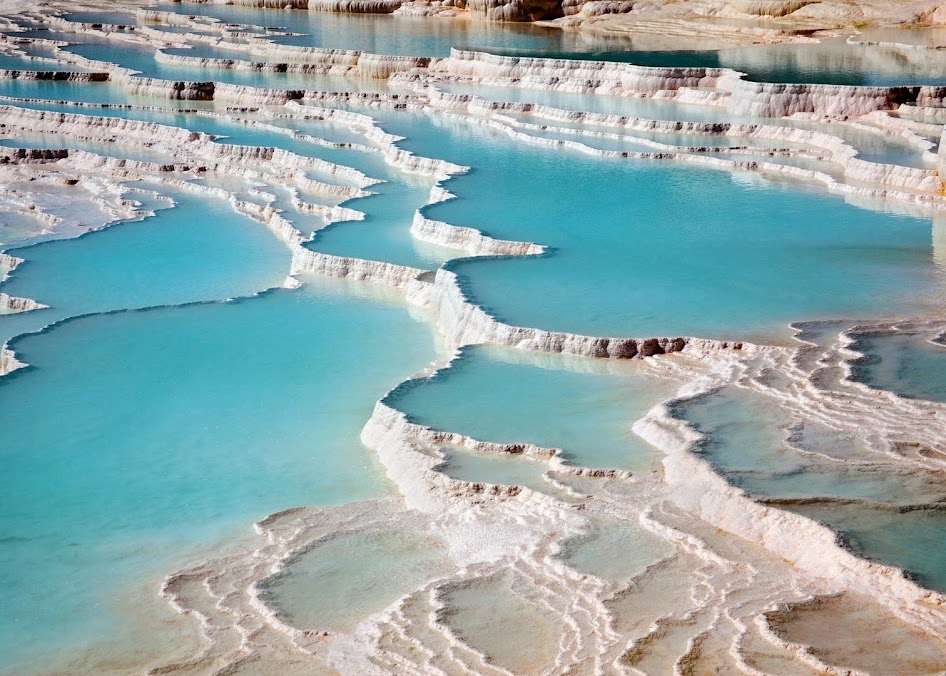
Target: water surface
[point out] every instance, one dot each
(497, 395)
(910, 365)
(137, 439)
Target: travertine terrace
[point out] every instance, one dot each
(741, 579)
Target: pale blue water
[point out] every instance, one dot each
(11, 62)
(746, 444)
(909, 365)
(344, 579)
(615, 550)
(167, 259)
(497, 395)
(17, 229)
(495, 468)
(384, 235)
(115, 18)
(139, 436)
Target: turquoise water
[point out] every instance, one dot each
(167, 259)
(497, 395)
(384, 234)
(11, 62)
(389, 211)
(909, 365)
(746, 445)
(136, 437)
(701, 253)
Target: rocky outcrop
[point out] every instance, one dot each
(14, 305)
(356, 6)
(53, 76)
(176, 91)
(516, 10)
(781, 100)
(776, 8)
(942, 154)
(8, 361)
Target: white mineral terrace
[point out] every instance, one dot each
(736, 569)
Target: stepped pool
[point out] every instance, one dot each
(507, 399)
(712, 263)
(226, 257)
(830, 62)
(910, 365)
(869, 505)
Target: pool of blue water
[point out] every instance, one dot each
(499, 395)
(170, 258)
(137, 438)
(745, 441)
(910, 365)
(648, 248)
